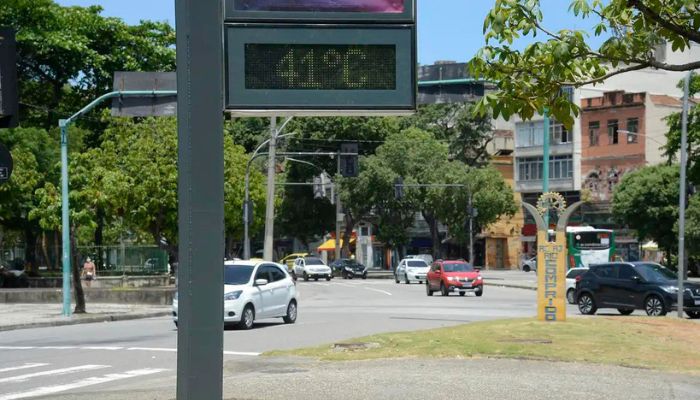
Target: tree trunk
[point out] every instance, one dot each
(30, 248)
(77, 283)
(45, 249)
(347, 234)
(56, 251)
(434, 233)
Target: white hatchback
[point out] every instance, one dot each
(310, 267)
(571, 283)
(411, 270)
(255, 290)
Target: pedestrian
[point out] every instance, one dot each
(89, 271)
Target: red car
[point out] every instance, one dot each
(454, 276)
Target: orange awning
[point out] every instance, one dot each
(329, 245)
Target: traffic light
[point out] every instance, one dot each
(9, 97)
(349, 165)
(398, 188)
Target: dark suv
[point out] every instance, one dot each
(629, 286)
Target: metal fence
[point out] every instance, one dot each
(126, 259)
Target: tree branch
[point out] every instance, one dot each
(609, 75)
(652, 15)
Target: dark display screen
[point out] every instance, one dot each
(371, 6)
(320, 67)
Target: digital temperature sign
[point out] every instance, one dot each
(320, 67)
(330, 67)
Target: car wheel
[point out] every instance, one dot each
(625, 311)
(693, 314)
(526, 268)
(479, 292)
(406, 281)
(247, 318)
(396, 277)
(344, 275)
(462, 293)
(428, 291)
(654, 306)
(586, 304)
(364, 276)
(328, 278)
(316, 279)
(291, 316)
(443, 289)
(570, 296)
(306, 277)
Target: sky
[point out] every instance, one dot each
(447, 29)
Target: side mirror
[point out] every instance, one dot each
(260, 282)
(636, 279)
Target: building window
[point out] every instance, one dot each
(558, 133)
(594, 133)
(560, 167)
(632, 129)
(613, 132)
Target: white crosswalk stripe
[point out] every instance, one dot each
(91, 381)
(24, 366)
(54, 372)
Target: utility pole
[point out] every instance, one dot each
(270, 208)
(545, 166)
(471, 226)
(681, 222)
(338, 210)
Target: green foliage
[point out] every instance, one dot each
(530, 80)
(673, 136)
(647, 201)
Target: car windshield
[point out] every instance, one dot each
(313, 261)
(237, 274)
(592, 240)
(461, 267)
(656, 273)
(416, 264)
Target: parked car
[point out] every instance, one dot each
(411, 270)
(348, 269)
(255, 290)
(629, 286)
(288, 260)
(310, 267)
(571, 283)
(529, 264)
(454, 276)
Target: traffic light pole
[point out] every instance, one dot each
(682, 203)
(270, 208)
(338, 210)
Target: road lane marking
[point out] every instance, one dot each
(47, 390)
(53, 372)
(116, 348)
(241, 353)
(366, 288)
(25, 366)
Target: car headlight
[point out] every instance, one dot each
(669, 289)
(233, 295)
(348, 269)
(478, 278)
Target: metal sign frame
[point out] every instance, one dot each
(407, 16)
(256, 102)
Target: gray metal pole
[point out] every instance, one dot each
(65, 218)
(471, 228)
(200, 199)
(270, 207)
(681, 222)
(338, 210)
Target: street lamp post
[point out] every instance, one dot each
(681, 222)
(246, 202)
(65, 204)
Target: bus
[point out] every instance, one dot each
(587, 245)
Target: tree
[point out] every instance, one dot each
(647, 200)
(673, 137)
(468, 134)
(531, 80)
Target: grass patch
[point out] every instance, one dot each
(664, 344)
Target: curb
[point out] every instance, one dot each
(508, 285)
(86, 320)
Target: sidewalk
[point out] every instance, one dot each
(23, 316)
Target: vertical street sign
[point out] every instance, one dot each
(201, 199)
(9, 96)
(310, 57)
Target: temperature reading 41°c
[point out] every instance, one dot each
(320, 67)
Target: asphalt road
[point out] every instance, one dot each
(107, 360)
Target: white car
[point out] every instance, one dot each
(571, 283)
(255, 290)
(411, 270)
(529, 265)
(309, 267)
